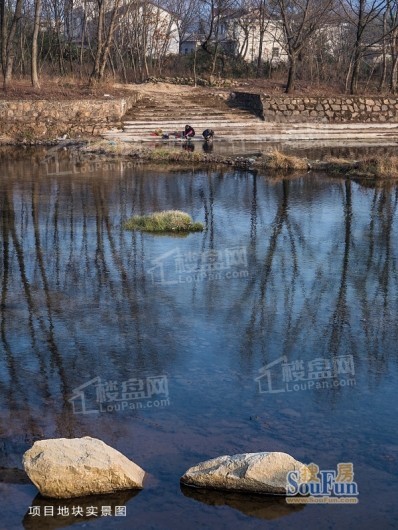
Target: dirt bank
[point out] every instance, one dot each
(377, 168)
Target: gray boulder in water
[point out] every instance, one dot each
(251, 472)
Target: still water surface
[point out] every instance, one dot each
(302, 271)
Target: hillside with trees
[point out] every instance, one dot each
(347, 46)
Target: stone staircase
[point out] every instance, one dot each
(171, 112)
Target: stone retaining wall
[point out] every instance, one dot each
(339, 109)
(35, 120)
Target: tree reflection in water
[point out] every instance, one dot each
(77, 300)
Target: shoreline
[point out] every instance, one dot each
(376, 169)
(276, 162)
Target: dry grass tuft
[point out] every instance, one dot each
(174, 155)
(379, 166)
(168, 221)
(108, 147)
(279, 161)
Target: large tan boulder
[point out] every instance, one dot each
(73, 467)
(252, 472)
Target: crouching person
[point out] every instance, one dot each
(208, 135)
(189, 132)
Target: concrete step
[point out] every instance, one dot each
(180, 105)
(233, 124)
(250, 132)
(343, 126)
(255, 127)
(183, 112)
(166, 109)
(262, 136)
(179, 126)
(249, 128)
(184, 117)
(192, 120)
(262, 124)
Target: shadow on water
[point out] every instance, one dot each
(259, 506)
(13, 476)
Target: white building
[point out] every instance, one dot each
(241, 36)
(143, 23)
(331, 38)
(159, 26)
(190, 43)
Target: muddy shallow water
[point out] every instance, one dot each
(300, 272)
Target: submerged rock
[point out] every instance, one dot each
(63, 468)
(252, 472)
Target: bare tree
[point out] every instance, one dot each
(214, 14)
(36, 27)
(384, 44)
(360, 14)
(264, 11)
(9, 19)
(185, 14)
(300, 19)
(105, 30)
(391, 36)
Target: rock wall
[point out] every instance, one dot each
(248, 101)
(35, 120)
(211, 81)
(337, 109)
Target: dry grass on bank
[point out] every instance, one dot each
(108, 147)
(336, 165)
(379, 166)
(56, 88)
(276, 162)
(158, 154)
(279, 161)
(173, 155)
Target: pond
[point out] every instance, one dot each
(221, 331)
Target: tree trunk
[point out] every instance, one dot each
(355, 73)
(58, 26)
(292, 74)
(8, 71)
(383, 76)
(394, 66)
(357, 47)
(394, 76)
(194, 64)
(36, 27)
(103, 47)
(82, 40)
(262, 27)
(8, 42)
(108, 42)
(95, 74)
(260, 54)
(3, 29)
(213, 68)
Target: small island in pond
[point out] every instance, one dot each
(168, 221)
